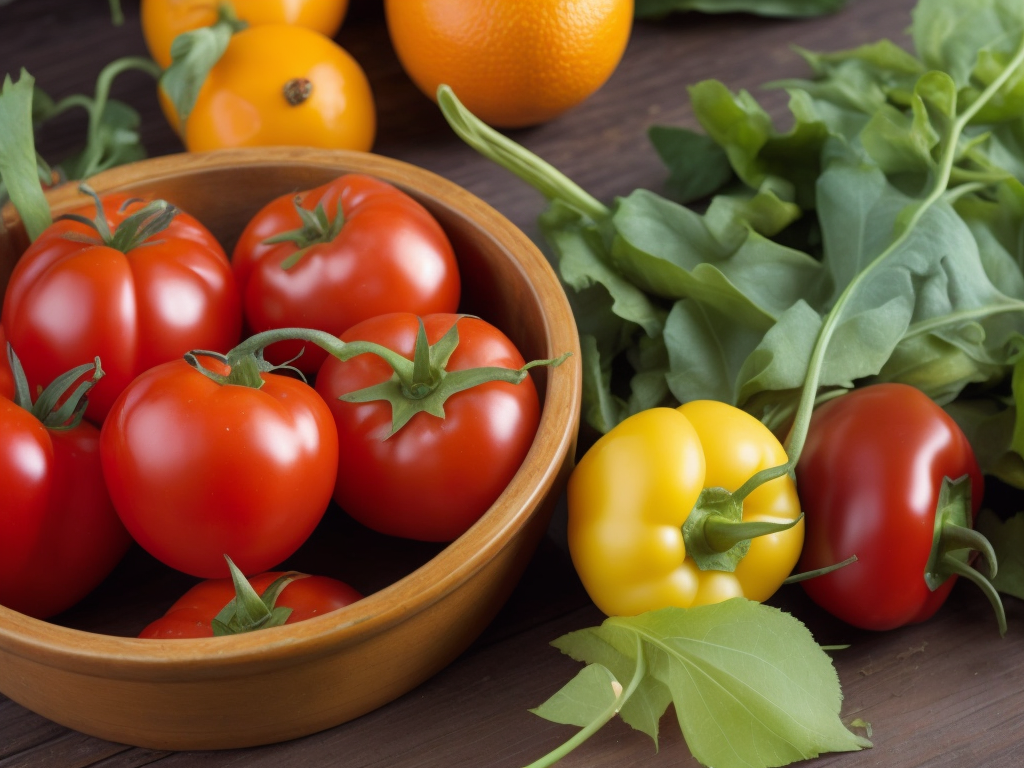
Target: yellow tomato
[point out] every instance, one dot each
(632, 494)
(164, 20)
(281, 85)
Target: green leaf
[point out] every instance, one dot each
(1007, 537)
(18, 168)
(697, 165)
(193, 55)
(749, 685)
(949, 36)
(582, 699)
(754, 148)
(989, 425)
(670, 251)
(653, 9)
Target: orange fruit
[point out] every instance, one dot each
(511, 62)
(164, 20)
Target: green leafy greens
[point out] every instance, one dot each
(880, 238)
(749, 685)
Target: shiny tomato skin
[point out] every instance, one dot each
(61, 536)
(390, 256)
(69, 301)
(435, 477)
(193, 613)
(198, 470)
(869, 480)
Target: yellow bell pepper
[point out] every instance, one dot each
(654, 521)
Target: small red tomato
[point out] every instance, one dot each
(433, 477)
(81, 291)
(886, 475)
(358, 247)
(61, 536)
(304, 597)
(199, 465)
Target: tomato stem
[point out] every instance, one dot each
(248, 611)
(419, 385)
(70, 412)
(150, 220)
(953, 541)
(960, 568)
(317, 227)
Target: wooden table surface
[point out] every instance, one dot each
(949, 692)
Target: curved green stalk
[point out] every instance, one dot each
(801, 421)
(581, 736)
(542, 176)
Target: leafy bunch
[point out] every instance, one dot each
(916, 158)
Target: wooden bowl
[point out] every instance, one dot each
(289, 681)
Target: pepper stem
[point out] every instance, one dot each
(723, 534)
(715, 535)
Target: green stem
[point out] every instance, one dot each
(801, 421)
(806, 575)
(610, 711)
(722, 534)
(94, 147)
(543, 177)
(961, 568)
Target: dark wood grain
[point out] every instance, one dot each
(946, 693)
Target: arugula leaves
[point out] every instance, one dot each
(749, 685)
(898, 193)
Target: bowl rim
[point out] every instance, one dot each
(147, 659)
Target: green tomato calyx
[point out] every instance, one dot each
(317, 228)
(715, 535)
(955, 541)
(154, 217)
(421, 384)
(248, 611)
(424, 383)
(52, 408)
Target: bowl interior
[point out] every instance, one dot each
(505, 280)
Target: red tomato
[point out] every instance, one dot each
(192, 614)
(61, 536)
(389, 255)
(869, 480)
(69, 301)
(197, 469)
(434, 477)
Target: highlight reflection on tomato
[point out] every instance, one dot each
(197, 469)
(433, 478)
(73, 297)
(382, 252)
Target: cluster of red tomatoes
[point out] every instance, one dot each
(168, 424)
